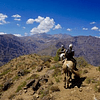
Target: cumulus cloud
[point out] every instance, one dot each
(16, 17)
(94, 28)
(18, 35)
(85, 29)
(92, 23)
(68, 29)
(2, 33)
(30, 21)
(45, 25)
(2, 19)
(38, 20)
(58, 26)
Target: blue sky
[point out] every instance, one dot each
(28, 17)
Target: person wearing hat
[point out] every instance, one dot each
(63, 50)
(70, 54)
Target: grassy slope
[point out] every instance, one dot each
(89, 89)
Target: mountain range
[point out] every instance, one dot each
(46, 44)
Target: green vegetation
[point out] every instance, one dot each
(45, 58)
(5, 72)
(97, 87)
(81, 62)
(34, 76)
(57, 79)
(21, 86)
(56, 58)
(11, 96)
(88, 80)
(57, 72)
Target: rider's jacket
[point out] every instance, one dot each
(69, 54)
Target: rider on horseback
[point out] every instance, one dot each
(69, 55)
(63, 50)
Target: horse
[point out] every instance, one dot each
(62, 56)
(68, 68)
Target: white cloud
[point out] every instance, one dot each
(85, 28)
(68, 29)
(18, 35)
(25, 34)
(2, 19)
(97, 36)
(44, 26)
(16, 17)
(18, 25)
(30, 21)
(94, 28)
(92, 22)
(39, 19)
(57, 26)
(2, 33)
(24, 27)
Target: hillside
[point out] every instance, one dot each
(34, 77)
(46, 44)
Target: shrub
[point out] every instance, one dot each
(56, 58)
(81, 62)
(45, 58)
(97, 87)
(88, 80)
(5, 72)
(56, 72)
(54, 88)
(85, 71)
(11, 96)
(57, 79)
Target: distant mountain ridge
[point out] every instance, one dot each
(46, 44)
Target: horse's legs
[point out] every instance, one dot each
(65, 81)
(68, 78)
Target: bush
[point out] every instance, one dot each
(46, 58)
(97, 87)
(56, 58)
(81, 62)
(54, 88)
(56, 72)
(85, 71)
(88, 80)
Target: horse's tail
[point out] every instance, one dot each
(76, 73)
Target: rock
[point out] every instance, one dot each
(36, 85)
(47, 97)
(81, 89)
(25, 91)
(43, 81)
(7, 84)
(54, 88)
(39, 68)
(30, 83)
(20, 73)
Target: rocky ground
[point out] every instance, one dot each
(33, 77)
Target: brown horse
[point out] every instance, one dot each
(68, 68)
